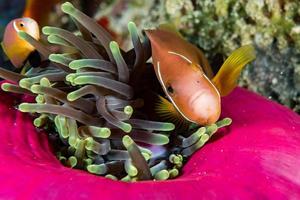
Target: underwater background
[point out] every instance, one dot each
(216, 26)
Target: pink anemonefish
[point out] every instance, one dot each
(17, 49)
(187, 78)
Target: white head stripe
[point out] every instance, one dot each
(182, 56)
(15, 26)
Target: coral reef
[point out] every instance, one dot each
(219, 27)
(87, 98)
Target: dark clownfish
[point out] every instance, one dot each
(17, 49)
(187, 78)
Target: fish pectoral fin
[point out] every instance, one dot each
(168, 112)
(24, 69)
(226, 78)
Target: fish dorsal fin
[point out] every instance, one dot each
(205, 64)
(190, 49)
(226, 78)
(170, 27)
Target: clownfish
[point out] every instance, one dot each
(194, 92)
(17, 49)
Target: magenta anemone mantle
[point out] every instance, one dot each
(257, 158)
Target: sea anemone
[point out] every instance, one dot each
(257, 158)
(87, 97)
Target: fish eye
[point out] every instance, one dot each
(21, 24)
(170, 89)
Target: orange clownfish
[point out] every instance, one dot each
(17, 49)
(187, 78)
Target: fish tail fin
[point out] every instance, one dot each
(166, 111)
(226, 78)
